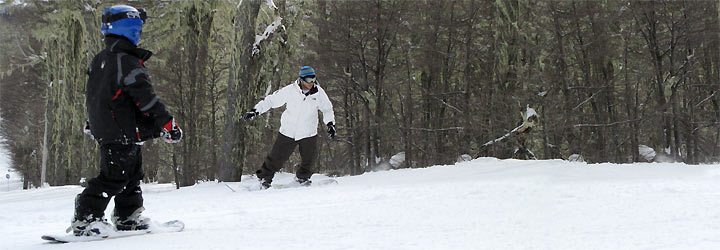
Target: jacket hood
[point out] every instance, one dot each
(121, 44)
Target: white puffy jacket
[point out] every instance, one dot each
(300, 118)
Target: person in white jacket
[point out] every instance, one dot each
(298, 125)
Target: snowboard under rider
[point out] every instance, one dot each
(298, 125)
(123, 111)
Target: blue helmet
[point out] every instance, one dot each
(123, 20)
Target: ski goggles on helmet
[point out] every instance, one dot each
(140, 14)
(310, 79)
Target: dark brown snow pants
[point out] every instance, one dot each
(280, 153)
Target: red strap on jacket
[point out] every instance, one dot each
(117, 94)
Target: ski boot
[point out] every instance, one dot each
(304, 182)
(265, 183)
(90, 227)
(133, 222)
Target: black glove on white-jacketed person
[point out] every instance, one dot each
(249, 116)
(331, 130)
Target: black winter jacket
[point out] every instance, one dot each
(121, 104)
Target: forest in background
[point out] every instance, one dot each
(413, 83)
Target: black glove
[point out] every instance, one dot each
(249, 116)
(172, 132)
(331, 130)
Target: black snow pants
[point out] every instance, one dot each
(280, 153)
(120, 176)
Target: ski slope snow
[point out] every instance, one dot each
(481, 204)
(14, 183)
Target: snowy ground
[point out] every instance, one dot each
(482, 204)
(14, 183)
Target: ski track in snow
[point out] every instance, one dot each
(482, 204)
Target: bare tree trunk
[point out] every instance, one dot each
(630, 105)
(564, 76)
(408, 111)
(176, 169)
(650, 34)
(245, 20)
(44, 150)
(469, 85)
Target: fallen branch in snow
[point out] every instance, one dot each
(515, 131)
(530, 118)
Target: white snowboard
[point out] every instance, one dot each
(166, 227)
(294, 184)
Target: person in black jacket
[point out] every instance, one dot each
(123, 111)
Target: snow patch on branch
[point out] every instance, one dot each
(530, 118)
(265, 35)
(89, 8)
(514, 131)
(269, 88)
(271, 4)
(18, 2)
(530, 112)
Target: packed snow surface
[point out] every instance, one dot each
(7, 184)
(480, 204)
